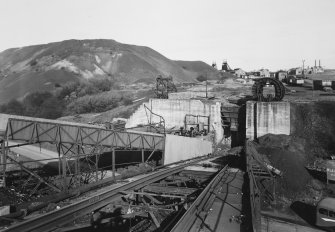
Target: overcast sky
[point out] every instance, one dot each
(250, 34)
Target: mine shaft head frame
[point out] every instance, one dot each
(257, 90)
(164, 86)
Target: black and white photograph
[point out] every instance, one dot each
(167, 115)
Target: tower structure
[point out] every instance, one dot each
(225, 66)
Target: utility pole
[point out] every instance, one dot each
(206, 84)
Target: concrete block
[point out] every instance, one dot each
(174, 111)
(181, 148)
(189, 95)
(267, 118)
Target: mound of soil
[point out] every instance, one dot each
(290, 155)
(312, 142)
(315, 122)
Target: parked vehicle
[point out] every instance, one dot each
(294, 80)
(325, 212)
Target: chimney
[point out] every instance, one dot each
(320, 63)
(315, 64)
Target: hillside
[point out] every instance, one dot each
(198, 67)
(43, 67)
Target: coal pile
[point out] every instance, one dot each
(290, 155)
(312, 141)
(315, 122)
(10, 196)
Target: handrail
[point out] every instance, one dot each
(161, 119)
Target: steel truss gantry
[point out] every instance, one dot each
(78, 146)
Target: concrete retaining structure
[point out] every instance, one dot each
(181, 148)
(267, 118)
(189, 95)
(174, 111)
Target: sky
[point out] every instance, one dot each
(249, 34)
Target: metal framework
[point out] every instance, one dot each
(157, 127)
(225, 66)
(229, 117)
(194, 120)
(79, 147)
(55, 219)
(257, 89)
(164, 86)
(261, 181)
(195, 214)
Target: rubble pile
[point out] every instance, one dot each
(9, 196)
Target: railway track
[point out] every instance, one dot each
(59, 218)
(217, 197)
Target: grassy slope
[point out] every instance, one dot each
(121, 62)
(198, 68)
(18, 85)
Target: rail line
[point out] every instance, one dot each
(191, 216)
(197, 217)
(63, 216)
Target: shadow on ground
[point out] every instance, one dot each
(233, 161)
(305, 211)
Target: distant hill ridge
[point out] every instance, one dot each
(40, 67)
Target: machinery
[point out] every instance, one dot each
(258, 88)
(164, 86)
(294, 80)
(325, 85)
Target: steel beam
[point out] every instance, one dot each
(55, 219)
(203, 201)
(30, 132)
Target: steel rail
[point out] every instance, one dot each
(192, 215)
(55, 219)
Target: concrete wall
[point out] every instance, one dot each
(174, 112)
(189, 95)
(181, 148)
(267, 117)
